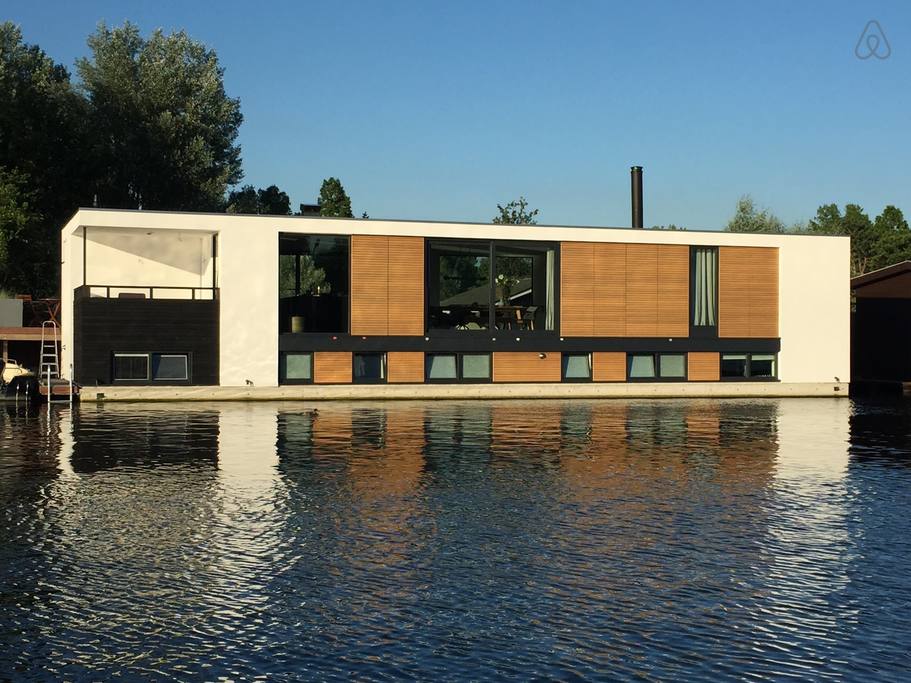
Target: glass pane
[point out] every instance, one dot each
(299, 366)
(459, 286)
(369, 366)
(762, 365)
(672, 365)
(476, 366)
(642, 366)
(577, 367)
(705, 279)
(524, 286)
(169, 366)
(441, 366)
(313, 283)
(131, 367)
(734, 365)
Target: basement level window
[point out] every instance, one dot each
(170, 367)
(369, 368)
(656, 366)
(749, 366)
(296, 367)
(131, 367)
(577, 367)
(457, 367)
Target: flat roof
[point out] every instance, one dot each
(891, 282)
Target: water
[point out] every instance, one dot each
(507, 540)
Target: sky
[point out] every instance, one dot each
(442, 110)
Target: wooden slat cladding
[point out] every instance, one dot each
(406, 286)
(509, 366)
(609, 366)
(387, 285)
(332, 367)
(641, 290)
(405, 367)
(369, 285)
(703, 366)
(673, 290)
(609, 290)
(576, 289)
(747, 292)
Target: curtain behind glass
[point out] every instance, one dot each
(549, 318)
(706, 277)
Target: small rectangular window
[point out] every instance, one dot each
(762, 365)
(131, 366)
(641, 366)
(476, 366)
(369, 367)
(169, 366)
(441, 366)
(577, 366)
(672, 365)
(297, 367)
(734, 365)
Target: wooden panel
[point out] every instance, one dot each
(332, 367)
(576, 289)
(673, 290)
(609, 282)
(520, 366)
(703, 366)
(405, 366)
(406, 286)
(641, 290)
(369, 284)
(764, 293)
(747, 292)
(609, 366)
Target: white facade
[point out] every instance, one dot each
(146, 248)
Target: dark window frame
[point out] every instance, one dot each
(346, 327)
(168, 379)
(282, 368)
(149, 380)
(703, 331)
(370, 380)
(749, 359)
(656, 356)
(491, 245)
(460, 372)
(576, 380)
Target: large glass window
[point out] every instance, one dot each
(313, 276)
(459, 286)
(483, 285)
(704, 288)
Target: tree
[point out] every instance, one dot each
(166, 130)
(333, 200)
(747, 218)
(874, 244)
(269, 201)
(42, 163)
(669, 226)
(515, 213)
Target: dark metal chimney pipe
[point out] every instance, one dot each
(635, 177)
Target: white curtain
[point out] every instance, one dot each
(706, 278)
(549, 311)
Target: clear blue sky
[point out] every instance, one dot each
(440, 110)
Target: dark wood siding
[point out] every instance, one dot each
(104, 327)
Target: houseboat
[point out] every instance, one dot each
(167, 304)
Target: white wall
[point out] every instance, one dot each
(814, 278)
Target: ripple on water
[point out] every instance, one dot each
(567, 540)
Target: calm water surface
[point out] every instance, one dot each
(552, 540)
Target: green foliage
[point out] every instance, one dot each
(747, 218)
(312, 277)
(333, 200)
(874, 244)
(516, 213)
(42, 163)
(669, 226)
(169, 129)
(269, 201)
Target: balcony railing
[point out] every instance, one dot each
(146, 292)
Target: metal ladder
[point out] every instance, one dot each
(49, 367)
